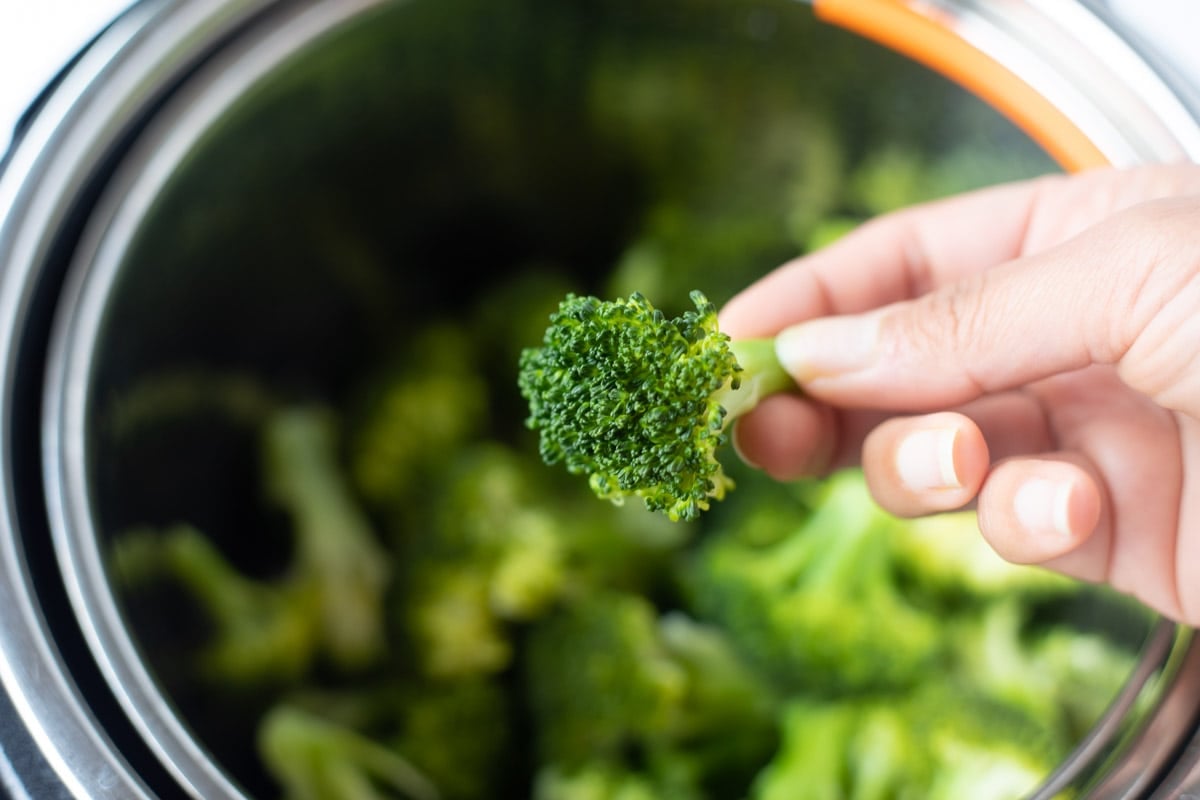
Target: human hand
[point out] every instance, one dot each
(1032, 348)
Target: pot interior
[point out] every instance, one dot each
(317, 322)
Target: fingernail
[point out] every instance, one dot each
(827, 346)
(925, 460)
(1043, 505)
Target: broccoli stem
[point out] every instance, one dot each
(761, 375)
(337, 554)
(317, 759)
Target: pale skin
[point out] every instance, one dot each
(1032, 350)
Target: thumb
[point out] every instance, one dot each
(1125, 293)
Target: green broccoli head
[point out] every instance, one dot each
(943, 740)
(258, 632)
(594, 781)
(611, 681)
(640, 402)
(600, 679)
(809, 593)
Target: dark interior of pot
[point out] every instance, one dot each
(329, 528)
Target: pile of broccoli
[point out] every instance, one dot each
(479, 626)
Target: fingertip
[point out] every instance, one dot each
(787, 437)
(1035, 510)
(927, 464)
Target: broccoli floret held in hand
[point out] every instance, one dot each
(640, 402)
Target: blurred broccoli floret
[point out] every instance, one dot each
(455, 736)
(327, 601)
(943, 741)
(499, 545)
(945, 554)
(415, 417)
(489, 555)
(257, 630)
(598, 781)
(316, 759)
(600, 679)
(611, 682)
(814, 761)
(980, 746)
(338, 559)
(459, 733)
(639, 402)
(1059, 674)
(810, 593)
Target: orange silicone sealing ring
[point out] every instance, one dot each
(923, 39)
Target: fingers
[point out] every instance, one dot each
(908, 253)
(1032, 510)
(1020, 322)
(1046, 510)
(892, 258)
(1101, 503)
(790, 436)
(927, 464)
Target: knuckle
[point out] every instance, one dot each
(952, 319)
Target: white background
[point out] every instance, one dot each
(37, 37)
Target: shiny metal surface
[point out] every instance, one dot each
(169, 138)
(1067, 53)
(96, 103)
(41, 176)
(1133, 742)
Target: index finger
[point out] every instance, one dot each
(905, 254)
(894, 257)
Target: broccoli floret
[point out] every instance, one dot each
(453, 629)
(811, 762)
(258, 631)
(808, 591)
(499, 546)
(328, 601)
(596, 781)
(945, 555)
(411, 418)
(599, 678)
(942, 741)
(981, 746)
(314, 758)
(1060, 675)
(456, 735)
(488, 554)
(459, 734)
(610, 681)
(640, 402)
(337, 554)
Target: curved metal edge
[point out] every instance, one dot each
(1126, 715)
(1184, 782)
(59, 152)
(183, 120)
(1156, 749)
(55, 717)
(1084, 67)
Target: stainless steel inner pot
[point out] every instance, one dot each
(111, 272)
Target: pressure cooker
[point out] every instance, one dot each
(94, 291)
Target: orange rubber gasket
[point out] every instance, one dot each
(921, 38)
